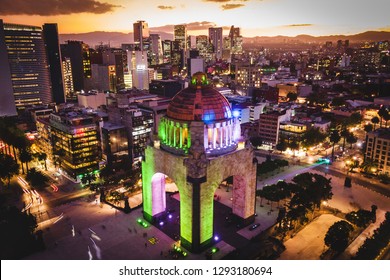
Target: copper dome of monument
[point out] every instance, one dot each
(199, 102)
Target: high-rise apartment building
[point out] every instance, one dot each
(216, 39)
(27, 62)
(68, 78)
(235, 40)
(50, 36)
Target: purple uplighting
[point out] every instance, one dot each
(170, 216)
(161, 223)
(216, 238)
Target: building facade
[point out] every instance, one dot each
(378, 148)
(75, 142)
(7, 104)
(216, 39)
(50, 35)
(28, 64)
(269, 126)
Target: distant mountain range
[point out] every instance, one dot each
(115, 39)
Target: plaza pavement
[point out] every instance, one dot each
(100, 231)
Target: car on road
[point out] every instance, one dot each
(254, 226)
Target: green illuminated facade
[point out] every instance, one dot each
(198, 149)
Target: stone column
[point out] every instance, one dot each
(221, 136)
(214, 137)
(181, 137)
(206, 137)
(174, 135)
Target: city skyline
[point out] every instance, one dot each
(255, 17)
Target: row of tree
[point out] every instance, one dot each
(373, 245)
(306, 192)
(270, 165)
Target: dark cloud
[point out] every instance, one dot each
(166, 7)
(225, 1)
(54, 7)
(217, 1)
(299, 25)
(231, 6)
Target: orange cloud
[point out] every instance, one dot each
(231, 6)
(166, 7)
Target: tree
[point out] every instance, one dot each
(17, 238)
(256, 141)
(338, 101)
(373, 245)
(354, 119)
(294, 146)
(8, 167)
(313, 137)
(344, 134)
(261, 195)
(360, 218)
(368, 128)
(383, 111)
(386, 117)
(337, 237)
(36, 178)
(25, 156)
(292, 96)
(310, 190)
(281, 146)
(42, 157)
(88, 178)
(317, 98)
(369, 165)
(352, 163)
(334, 138)
(375, 121)
(297, 213)
(373, 212)
(351, 139)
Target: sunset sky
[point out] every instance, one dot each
(255, 17)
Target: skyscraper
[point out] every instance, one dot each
(50, 36)
(68, 78)
(155, 49)
(180, 35)
(215, 35)
(7, 104)
(141, 33)
(28, 65)
(78, 53)
(235, 40)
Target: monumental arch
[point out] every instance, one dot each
(198, 147)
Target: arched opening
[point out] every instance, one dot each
(229, 206)
(161, 184)
(165, 205)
